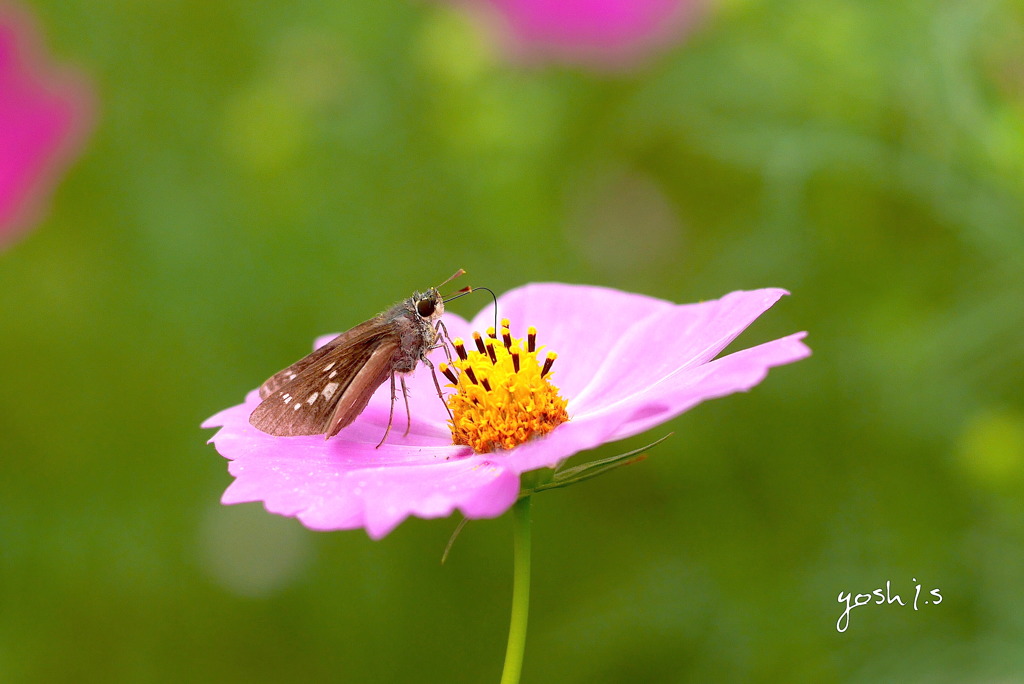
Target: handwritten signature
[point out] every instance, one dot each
(880, 596)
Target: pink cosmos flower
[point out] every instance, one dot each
(626, 363)
(45, 112)
(603, 33)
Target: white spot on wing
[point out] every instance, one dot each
(297, 406)
(312, 398)
(329, 390)
(329, 366)
(333, 373)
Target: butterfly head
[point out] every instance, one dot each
(429, 305)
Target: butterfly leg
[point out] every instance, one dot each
(391, 413)
(442, 334)
(437, 386)
(408, 413)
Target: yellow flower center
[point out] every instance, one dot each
(504, 395)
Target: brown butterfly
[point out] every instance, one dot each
(325, 391)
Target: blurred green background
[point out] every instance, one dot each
(264, 172)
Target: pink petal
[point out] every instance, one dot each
(580, 323)
(346, 482)
(326, 495)
(612, 343)
(651, 351)
(737, 372)
(45, 112)
(604, 33)
(622, 377)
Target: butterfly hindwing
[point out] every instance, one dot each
(371, 376)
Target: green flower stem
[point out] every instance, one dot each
(520, 592)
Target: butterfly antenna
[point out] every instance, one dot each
(452, 277)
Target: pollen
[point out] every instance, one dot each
(504, 395)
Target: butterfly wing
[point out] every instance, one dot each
(372, 375)
(325, 391)
(279, 379)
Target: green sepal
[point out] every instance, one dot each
(586, 471)
(543, 479)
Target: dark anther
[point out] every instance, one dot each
(449, 373)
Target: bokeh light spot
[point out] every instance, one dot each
(623, 223)
(991, 448)
(250, 553)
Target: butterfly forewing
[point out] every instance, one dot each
(283, 377)
(325, 391)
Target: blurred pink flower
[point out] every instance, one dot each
(602, 33)
(45, 112)
(626, 363)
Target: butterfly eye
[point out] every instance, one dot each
(425, 307)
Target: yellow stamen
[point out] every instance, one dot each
(503, 396)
